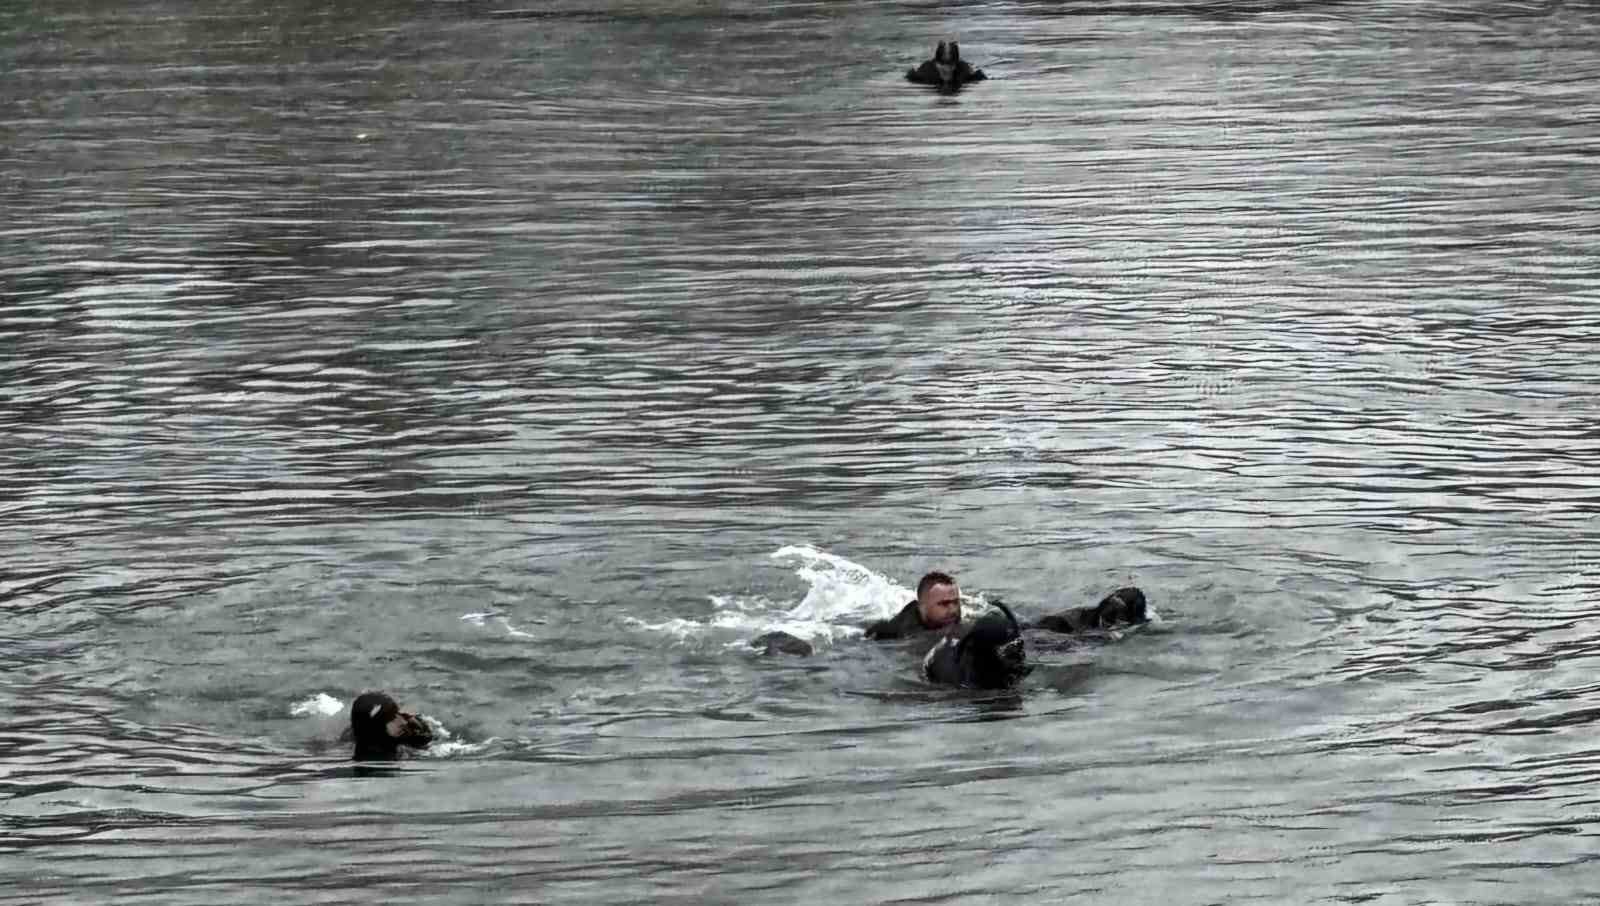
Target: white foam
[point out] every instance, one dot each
(679, 629)
(320, 705)
(456, 747)
(481, 618)
(841, 588)
(445, 744)
(513, 631)
(841, 596)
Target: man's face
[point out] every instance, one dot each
(939, 606)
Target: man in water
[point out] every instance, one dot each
(937, 607)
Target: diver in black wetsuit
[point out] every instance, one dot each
(946, 71)
(379, 728)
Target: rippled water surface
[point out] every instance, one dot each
(527, 359)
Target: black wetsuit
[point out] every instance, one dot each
(1125, 606)
(370, 716)
(927, 73)
(907, 622)
(989, 655)
(946, 71)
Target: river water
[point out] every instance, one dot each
(525, 360)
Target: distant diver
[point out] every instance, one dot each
(946, 71)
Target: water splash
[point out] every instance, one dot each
(481, 619)
(446, 745)
(320, 705)
(842, 596)
(840, 587)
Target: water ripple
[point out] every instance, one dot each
(323, 329)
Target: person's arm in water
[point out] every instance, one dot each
(1121, 607)
(902, 624)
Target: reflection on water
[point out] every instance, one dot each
(489, 354)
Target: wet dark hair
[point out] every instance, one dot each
(931, 579)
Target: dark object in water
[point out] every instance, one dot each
(1122, 607)
(782, 643)
(906, 623)
(946, 71)
(379, 728)
(989, 656)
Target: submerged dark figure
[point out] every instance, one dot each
(990, 655)
(780, 642)
(946, 71)
(1125, 606)
(380, 728)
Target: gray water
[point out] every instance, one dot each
(524, 360)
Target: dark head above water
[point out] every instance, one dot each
(989, 656)
(1125, 605)
(380, 728)
(946, 71)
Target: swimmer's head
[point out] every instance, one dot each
(380, 727)
(938, 601)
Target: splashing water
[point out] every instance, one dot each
(842, 597)
(840, 587)
(480, 619)
(445, 744)
(320, 705)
